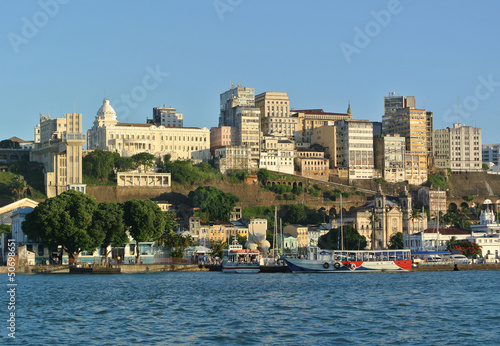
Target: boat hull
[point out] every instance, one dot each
(240, 269)
(297, 265)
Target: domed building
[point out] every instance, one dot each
(106, 117)
(128, 139)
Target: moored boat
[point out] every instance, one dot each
(350, 261)
(239, 260)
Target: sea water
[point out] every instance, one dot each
(213, 308)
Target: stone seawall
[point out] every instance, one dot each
(125, 268)
(446, 267)
(157, 268)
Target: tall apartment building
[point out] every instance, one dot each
(355, 147)
(490, 153)
(309, 119)
(458, 148)
(60, 150)
(275, 114)
(237, 109)
(390, 157)
(129, 139)
(412, 124)
(167, 116)
(236, 96)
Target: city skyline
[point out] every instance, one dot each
(64, 56)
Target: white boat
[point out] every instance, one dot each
(350, 261)
(238, 260)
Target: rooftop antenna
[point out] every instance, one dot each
(458, 109)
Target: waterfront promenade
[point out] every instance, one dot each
(156, 268)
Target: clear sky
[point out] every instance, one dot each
(60, 56)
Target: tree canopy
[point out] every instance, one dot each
(65, 220)
(9, 144)
(146, 160)
(108, 219)
(18, 185)
(468, 248)
(217, 204)
(98, 164)
(145, 220)
(396, 241)
(352, 239)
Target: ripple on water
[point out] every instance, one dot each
(265, 309)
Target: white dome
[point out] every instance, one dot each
(106, 110)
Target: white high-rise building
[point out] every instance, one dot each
(458, 148)
(355, 147)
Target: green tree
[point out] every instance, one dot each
(4, 228)
(451, 243)
(98, 164)
(145, 220)
(65, 220)
(108, 219)
(18, 185)
(123, 164)
(146, 160)
(217, 248)
(396, 241)
(217, 204)
(8, 144)
(352, 239)
(295, 214)
(177, 243)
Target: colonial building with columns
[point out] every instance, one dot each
(128, 139)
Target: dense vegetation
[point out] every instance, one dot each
(352, 240)
(213, 204)
(99, 166)
(78, 223)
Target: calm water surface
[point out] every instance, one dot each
(433, 308)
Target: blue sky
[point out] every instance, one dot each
(60, 56)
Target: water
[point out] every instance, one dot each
(210, 308)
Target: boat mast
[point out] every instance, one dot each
(275, 236)
(341, 225)
(282, 240)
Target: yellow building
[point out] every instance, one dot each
(309, 119)
(275, 114)
(299, 232)
(412, 124)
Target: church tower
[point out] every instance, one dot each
(379, 237)
(406, 208)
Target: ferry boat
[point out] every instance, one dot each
(350, 261)
(238, 260)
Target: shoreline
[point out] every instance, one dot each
(158, 268)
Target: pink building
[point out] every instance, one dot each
(222, 136)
